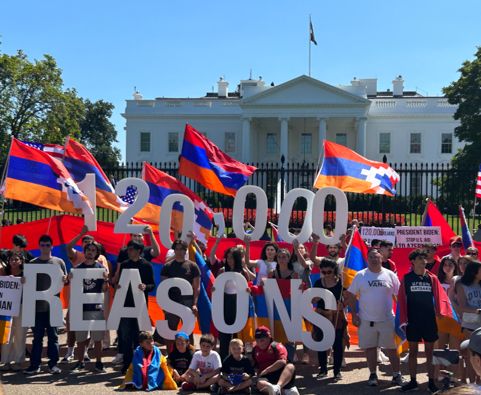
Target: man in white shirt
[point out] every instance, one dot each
(375, 287)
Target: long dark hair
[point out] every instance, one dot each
(441, 274)
(269, 244)
(13, 254)
(237, 257)
(470, 273)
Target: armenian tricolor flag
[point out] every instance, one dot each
(5, 328)
(161, 185)
(205, 163)
(347, 170)
(35, 177)
(79, 162)
(466, 234)
(356, 258)
(433, 217)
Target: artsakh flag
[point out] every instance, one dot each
(433, 217)
(35, 177)
(347, 170)
(204, 162)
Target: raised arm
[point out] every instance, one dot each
(69, 247)
(313, 253)
(212, 256)
(155, 248)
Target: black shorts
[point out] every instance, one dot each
(427, 332)
(273, 378)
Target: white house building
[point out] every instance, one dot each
(259, 123)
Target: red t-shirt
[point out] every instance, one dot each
(265, 358)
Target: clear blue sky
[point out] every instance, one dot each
(180, 48)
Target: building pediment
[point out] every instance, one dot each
(304, 91)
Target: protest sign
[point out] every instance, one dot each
(10, 295)
(369, 233)
(417, 236)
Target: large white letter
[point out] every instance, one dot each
(261, 212)
(31, 295)
(78, 298)
(129, 277)
(290, 320)
(87, 186)
(166, 216)
(318, 214)
(167, 304)
(328, 332)
(242, 303)
(285, 216)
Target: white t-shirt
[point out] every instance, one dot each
(264, 268)
(205, 364)
(376, 291)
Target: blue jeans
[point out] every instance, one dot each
(42, 323)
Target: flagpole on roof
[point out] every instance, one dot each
(310, 24)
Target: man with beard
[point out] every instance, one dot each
(333, 251)
(386, 249)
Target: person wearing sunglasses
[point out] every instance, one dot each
(472, 252)
(331, 281)
(42, 311)
(455, 243)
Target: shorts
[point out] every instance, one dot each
(427, 332)
(172, 319)
(379, 334)
(273, 378)
(96, 336)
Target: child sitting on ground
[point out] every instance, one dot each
(180, 357)
(149, 370)
(237, 370)
(204, 369)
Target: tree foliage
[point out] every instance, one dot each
(35, 106)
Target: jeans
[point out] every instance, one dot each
(42, 323)
(128, 339)
(338, 351)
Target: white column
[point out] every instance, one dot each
(322, 133)
(361, 136)
(246, 140)
(284, 137)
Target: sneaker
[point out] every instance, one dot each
(78, 367)
(273, 389)
(31, 370)
(5, 367)
(372, 381)
(99, 367)
(305, 359)
(55, 370)
(398, 379)
(68, 357)
(321, 375)
(337, 376)
(118, 360)
(16, 367)
(411, 386)
(432, 387)
(405, 359)
(291, 391)
(188, 386)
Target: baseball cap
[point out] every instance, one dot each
(182, 335)
(474, 342)
(262, 331)
(455, 239)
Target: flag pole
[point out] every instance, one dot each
(309, 45)
(474, 213)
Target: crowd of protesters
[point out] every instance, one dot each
(432, 285)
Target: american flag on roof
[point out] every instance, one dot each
(55, 150)
(477, 192)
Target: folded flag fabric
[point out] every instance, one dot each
(160, 186)
(55, 150)
(79, 162)
(5, 328)
(465, 233)
(35, 177)
(433, 217)
(205, 163)
(355, 258)
(275, 233)
(347, 170)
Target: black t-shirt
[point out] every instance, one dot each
(234, 366)
(124, 256)
(92, 285)
(336, 290)
(180, 361)
(146, 276)
(187, 270)
(419, 296)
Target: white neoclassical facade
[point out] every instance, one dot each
(261, 123)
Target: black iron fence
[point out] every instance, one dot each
(446, 186)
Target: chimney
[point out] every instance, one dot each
(222, 88)
(397, 86)
(137, 95)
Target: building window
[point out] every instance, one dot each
(144, 141)
(229, 142)
(385, 143)
(306, 143)
(447, 143)
(415, 146)
(173, 142)
(271, 143)
(341, 138)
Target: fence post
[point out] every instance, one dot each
(383, 200)
(283, 177)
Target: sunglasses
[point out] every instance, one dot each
(459, 245)
(327, 271)
(45, 245)
(472, 253)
